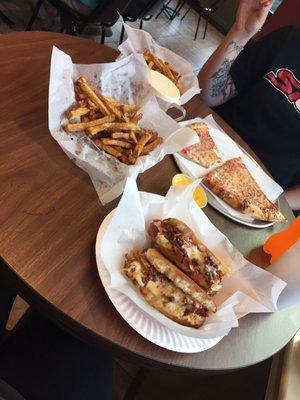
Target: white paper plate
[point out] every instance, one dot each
(143, 324)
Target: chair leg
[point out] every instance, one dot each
(178, 8)
(122, 34)
(206, 24)
(185, 14)
(6, 20)
(102, 34)
(162, 9)
(141, 23)
(34, 14)
(198, 23)
(7, 298)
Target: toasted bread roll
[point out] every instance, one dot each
(179, 244)
(161, 293)
(180, 279)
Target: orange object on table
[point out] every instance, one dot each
(277, 244)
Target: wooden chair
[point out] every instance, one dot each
(73, 23)
(142, 10)
(204, 9)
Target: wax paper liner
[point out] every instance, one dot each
(124, 80)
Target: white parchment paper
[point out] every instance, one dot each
(138, 41)
(125, 80)
(228, 149)
(248, 289)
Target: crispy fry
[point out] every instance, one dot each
(120, 135)
(110, 150)
(109, 106)
(114, 126)
(128, 159)
(77, 112)
(91, 104)
(151, 146)
(115, 142)
(136, 117)
(131, 108)
(86, 88)
(140, 145)
(84, 125)
(169, 73)
(132, 136)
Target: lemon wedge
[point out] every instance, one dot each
(199, 194)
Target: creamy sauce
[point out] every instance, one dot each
(164, 87)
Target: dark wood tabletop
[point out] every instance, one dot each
(50, 215)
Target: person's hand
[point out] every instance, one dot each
(251, 16)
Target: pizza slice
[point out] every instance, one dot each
(233, 183)
(203, 153)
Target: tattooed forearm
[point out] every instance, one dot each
(222, 83)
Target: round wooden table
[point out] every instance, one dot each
(50, 215)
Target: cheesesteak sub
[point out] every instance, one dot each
(179, 244)
(168, 289)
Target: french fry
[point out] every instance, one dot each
(91, 104)
(84, 125)
(114, 126)
(151, 146)
(136, 117)
(128, 159)
(140, 145)
(116, 142)
(130, 108)
(110, 150)
(120, 135)
(86, 88)
(77, 112)
(132, 136)
(110, 106)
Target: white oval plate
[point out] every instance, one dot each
(143, 324)
(215, 202)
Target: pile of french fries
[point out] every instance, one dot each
(157, 64)
(111, 125)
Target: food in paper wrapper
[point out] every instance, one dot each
(233, 183)
(165, 61)
(111, 125)
(157, 64)
(180, 245)
(205, 152)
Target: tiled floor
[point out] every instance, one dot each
(177, 36)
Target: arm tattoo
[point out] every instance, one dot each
(222, 83)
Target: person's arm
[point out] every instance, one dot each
(293, 197)
(214, 78)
